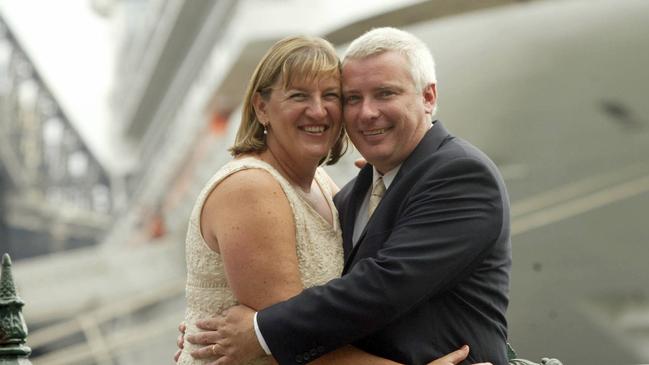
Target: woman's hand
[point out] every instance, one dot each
(180, 342)
(360, 163)
(455, 357)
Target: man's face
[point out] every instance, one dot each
(384, 113)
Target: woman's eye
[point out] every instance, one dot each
(332, 96)
(298, 96)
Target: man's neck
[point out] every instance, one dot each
(388, 177)
(382, 169)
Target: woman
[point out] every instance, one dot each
(265, 225)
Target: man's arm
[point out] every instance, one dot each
(451, 221)
(251, 219)
(345, 355)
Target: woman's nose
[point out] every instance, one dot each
(316, 109)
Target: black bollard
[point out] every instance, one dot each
(13, 330)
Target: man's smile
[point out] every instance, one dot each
(374, 132)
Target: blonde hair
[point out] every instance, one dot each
(288, 60)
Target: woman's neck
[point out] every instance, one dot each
(297, 171)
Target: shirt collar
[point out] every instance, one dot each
(388, 177)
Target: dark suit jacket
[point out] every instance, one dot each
(429, 273)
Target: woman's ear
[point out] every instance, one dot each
(260, 106)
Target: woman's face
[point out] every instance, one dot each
(303, 120)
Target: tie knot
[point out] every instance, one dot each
(378, 190)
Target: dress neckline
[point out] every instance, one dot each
(335, 224)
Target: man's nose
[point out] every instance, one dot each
(369, 111)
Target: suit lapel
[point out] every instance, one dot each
(432, 141)
(361, 185)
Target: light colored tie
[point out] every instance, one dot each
(378, 190)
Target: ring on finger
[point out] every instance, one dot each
(214, 351)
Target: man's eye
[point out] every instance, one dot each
(352, 99)
(385, 93)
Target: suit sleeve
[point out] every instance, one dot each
(450, 220)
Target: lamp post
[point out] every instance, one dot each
(13, 330)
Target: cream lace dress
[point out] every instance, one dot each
(319, 250)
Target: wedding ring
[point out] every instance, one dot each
(214, 350)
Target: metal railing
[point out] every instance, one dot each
(97, 346)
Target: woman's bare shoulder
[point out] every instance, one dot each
(249, 183)
(250, 197)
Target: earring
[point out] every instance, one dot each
(265, 129)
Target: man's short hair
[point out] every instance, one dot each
(385, 39)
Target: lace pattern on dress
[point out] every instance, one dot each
(318, 245)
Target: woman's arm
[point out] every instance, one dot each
(350, 355)
(249, 216)
(251, 219)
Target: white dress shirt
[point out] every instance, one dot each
(363, 216)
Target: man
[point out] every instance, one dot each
(425, 230)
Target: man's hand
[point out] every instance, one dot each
(180, 341)
(230, 337)
(455, 357)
